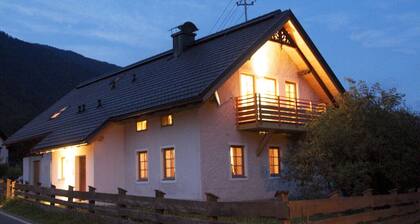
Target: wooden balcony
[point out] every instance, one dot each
(275, 113)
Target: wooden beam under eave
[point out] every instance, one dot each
(263, 142)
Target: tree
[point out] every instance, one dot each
(369, 140)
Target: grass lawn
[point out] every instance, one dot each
(38, 215)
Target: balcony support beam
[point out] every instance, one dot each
(263, 142)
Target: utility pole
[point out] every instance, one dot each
(245, 4)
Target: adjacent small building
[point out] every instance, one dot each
(214, 114)
(4, 153)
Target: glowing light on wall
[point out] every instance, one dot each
(260, 60)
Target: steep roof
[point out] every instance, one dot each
(160, 82)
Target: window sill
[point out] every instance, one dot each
(238, 178)
(142, 181)
(168, 180)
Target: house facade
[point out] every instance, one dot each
(212, 115)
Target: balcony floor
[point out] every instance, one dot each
(271, 126)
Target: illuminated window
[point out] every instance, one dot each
(291, 93)
(274, 161)
(56, 114)
(142, 125)
(247, 84)
(266, 86)
(291, 90)
(167, 120)
(169, 163)
(237, 164)
(61, 167)
(143, 170)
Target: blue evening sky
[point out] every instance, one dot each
(372, 40)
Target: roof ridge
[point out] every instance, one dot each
(168, 52)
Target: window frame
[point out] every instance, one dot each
(166, 125)
(163, 166)
(138, 166)
(254, 83)
(243, 160)
(139, 121)
(287, 82)
(269, 161)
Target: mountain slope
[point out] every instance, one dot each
(33, 76)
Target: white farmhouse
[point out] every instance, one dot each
(213, 114)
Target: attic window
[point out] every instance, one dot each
(56, 114)
(166, 120)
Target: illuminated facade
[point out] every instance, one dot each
(228, 139)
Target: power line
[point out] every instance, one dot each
(228, 17)
(221, 15)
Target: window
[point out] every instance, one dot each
(61, 167)
(167, 120)
(291, 94)
(274, 161)
(247, 84)
(237, 161)
(56, 114)
(142, 125)
(169, 164)
(266, 86)
(143, 162)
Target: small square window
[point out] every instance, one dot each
(167, 120)
(142, 125)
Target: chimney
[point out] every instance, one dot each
(184, 38)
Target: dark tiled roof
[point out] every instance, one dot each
(161, 81)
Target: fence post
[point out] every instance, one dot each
(38, 191)
(92, 199)
(52, 190)
(70, 197)
(26, 189)
(283, 197)
(159, 196)
(211, 204)
(121, 205)
(8, 188)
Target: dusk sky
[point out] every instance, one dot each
(372, 40)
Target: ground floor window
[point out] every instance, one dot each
(169, 163)
(237, 163)
(274, 161)
(142, 160)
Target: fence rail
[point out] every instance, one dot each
(392, 208)
(277, 109)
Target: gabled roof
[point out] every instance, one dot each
(160, 82)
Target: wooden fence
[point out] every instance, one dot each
(390, 208)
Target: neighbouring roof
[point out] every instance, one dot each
(160, 82)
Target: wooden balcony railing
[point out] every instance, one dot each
(276, 109)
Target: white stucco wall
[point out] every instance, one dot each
(70, 153)
(45, 165)
(109, 158)
(184, 137)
